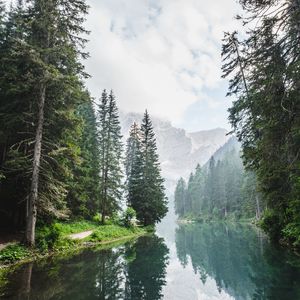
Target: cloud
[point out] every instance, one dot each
(162, 55)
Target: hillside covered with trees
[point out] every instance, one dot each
(221, 189)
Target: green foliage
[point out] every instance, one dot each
(65, 244)
(97, 218)
(145, 185)
(263, 70)
(110, 155)
(66, 228)
(219, 190)
(13, 253)
(110, 232)
(128, 217)
(47, 236)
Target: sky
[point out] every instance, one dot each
(162, 55)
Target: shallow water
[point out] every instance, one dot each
(197, 261)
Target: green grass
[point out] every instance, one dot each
(66, 228)
(54, 239)
(112, 232)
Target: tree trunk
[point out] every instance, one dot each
(258, 213)
(33, 196)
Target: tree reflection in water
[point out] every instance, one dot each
(132, 271)
(240, 259)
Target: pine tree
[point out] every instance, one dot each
(83, 196)
(264, 76)
(41, 49)
(110, 151)
(180, 198)
(154, 205)
(134, 168)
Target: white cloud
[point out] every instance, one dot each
(163, 55)
(159, 55)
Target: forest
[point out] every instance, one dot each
(262, 63)
(61, 150)
(108, 107)
(221, 189)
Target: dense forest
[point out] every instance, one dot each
(61, 152)
(221, 189)
(262, 66)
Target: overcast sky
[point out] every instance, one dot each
(163, 55)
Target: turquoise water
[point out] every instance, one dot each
(197, 261)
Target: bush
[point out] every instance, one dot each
(271, 224)
(129, 217)
(47, 236)
(13, 253)
(65, 244)
(97, 218)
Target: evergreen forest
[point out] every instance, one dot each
(61, 150)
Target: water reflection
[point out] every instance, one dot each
(240, 260)
(199, 261)
(133, 271)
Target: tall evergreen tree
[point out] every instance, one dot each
(265, 115)
(180, 197)
(153, 206)
(134, 167)
(41, 89)
(83, 194)
(110, 150)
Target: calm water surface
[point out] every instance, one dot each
(203, 261)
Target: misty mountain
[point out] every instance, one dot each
(231, 144)
(179, 151)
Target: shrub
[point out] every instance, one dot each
(271, 224)
(129, 217)
(47, 236)
(13, 253)
(97, 218)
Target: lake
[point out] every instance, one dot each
(194, 261)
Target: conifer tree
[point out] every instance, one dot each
(154, 205)
(180, 197)
(134, 167)
(264, 76)
(41, 48)
(110, 151)
(83, 195)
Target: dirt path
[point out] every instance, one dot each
(81, 235)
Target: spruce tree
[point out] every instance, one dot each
(180, 197)
(41, 49)
(110, 152)
(134, 168)
(84, 186)
(154, 204)
(265, 114)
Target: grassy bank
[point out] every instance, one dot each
(55, 239)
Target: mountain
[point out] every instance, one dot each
(179, 151)
(231, 144)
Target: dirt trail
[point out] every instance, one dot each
(81, 235)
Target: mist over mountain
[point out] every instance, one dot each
(230, 145)
(179, 151)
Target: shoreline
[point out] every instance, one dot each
(80, 245)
